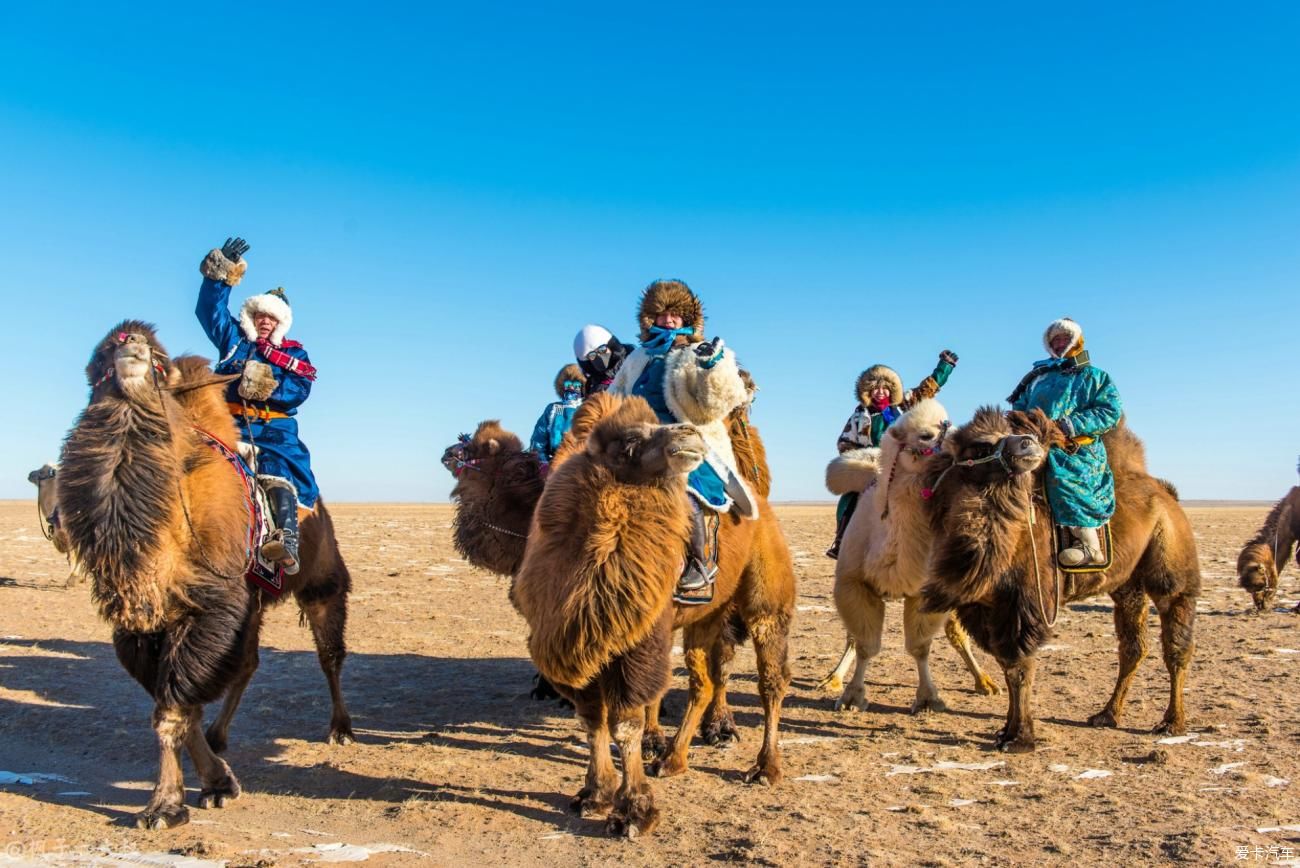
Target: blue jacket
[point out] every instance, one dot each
(280, 452)
(1080, 487)
(551, 426)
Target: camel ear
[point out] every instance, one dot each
(493, 446)
(895, 432)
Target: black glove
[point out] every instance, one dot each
(234, 248)
(948, 356)
(709, 349)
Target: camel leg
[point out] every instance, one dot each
(654, 744)
(863, 612)
(597, 794)
(219, 782)
(1130, 631)
(834, 682)
(328, 618)
(920, 629)
(166, 808)
(771, 649)
(219, 729)
(698, 640)
(961, 642)
(719, 727)
(634, 812)
(1018, 736)
(1177, 619)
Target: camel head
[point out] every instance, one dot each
(637, 450)
(918, 434)
(1257, 574)
(130, 361)
(470, 452)
(986, 451)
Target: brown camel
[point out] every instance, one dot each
(159, 518)
(1266, 555)
(596, 588)
(994, 560)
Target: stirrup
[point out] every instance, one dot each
(1085, 555)
(275, 551)
(834, 551)
(695, 587)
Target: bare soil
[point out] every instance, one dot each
(456, 765)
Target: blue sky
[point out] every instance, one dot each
(447, 194)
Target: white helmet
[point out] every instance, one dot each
(590, 337)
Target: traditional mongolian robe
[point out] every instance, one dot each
(268, 425)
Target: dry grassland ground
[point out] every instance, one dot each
(455, 765)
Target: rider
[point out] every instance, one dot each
(881, 400)
(599, 354)
(276, 377)
(1085, 404)
(557, 418)
(688, 379)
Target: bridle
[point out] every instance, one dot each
(159, 368)
(999, 455)
(456, 462)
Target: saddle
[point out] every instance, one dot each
(1064, 539)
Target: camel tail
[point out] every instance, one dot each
(853, 471)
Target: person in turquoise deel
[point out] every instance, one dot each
(557, 418)
(1085, 404)
(881, 400)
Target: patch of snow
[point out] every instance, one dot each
(960, 803)
(819, 779)
(1226, 767)
(1092, 774)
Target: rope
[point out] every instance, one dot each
(1038, 578)
(489, 524)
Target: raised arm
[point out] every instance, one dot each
(222, 269)
(930, 386)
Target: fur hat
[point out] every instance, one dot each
(568, 372)
(1067, 326)
(671, 296)
(876, 376)
(273, 302)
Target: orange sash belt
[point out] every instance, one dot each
(263, 414)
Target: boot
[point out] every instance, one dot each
(841, 524)
(695, 587)
(1085, 551)
(281, 547)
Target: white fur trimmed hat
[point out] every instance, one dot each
(1064, 325)
(273, 302)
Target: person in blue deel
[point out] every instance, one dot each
(276, 377)
(557, 418)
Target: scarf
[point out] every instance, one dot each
(661, 339)
(284, 361)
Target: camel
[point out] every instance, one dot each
(754, 594)
(1267, 553)
(157, 511)
(883, 556)
(993, 559)
(596, 588)
(47, 508)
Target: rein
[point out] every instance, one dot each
(512, 533)
(1038, 577)
(997, 455)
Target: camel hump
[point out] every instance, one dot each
(853, 471)
(1125, 450)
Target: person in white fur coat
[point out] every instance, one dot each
(688, 379)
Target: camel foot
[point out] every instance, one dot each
(216, 739)
(668, 767)
(590, 803)
(654, 746)
(341, 732)
(633, 816)
(1104, 718)
(928, 703)
(986, 686)
(225, 790)
(1171, 726)
(1022, 743)
(764, 773)
(853, 699)
(155, 819)
(721, 732)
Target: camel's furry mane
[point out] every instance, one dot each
(603, 555)
(495, 498)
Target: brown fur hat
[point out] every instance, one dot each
(568, 372)
(879, 375)
(673, 296)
